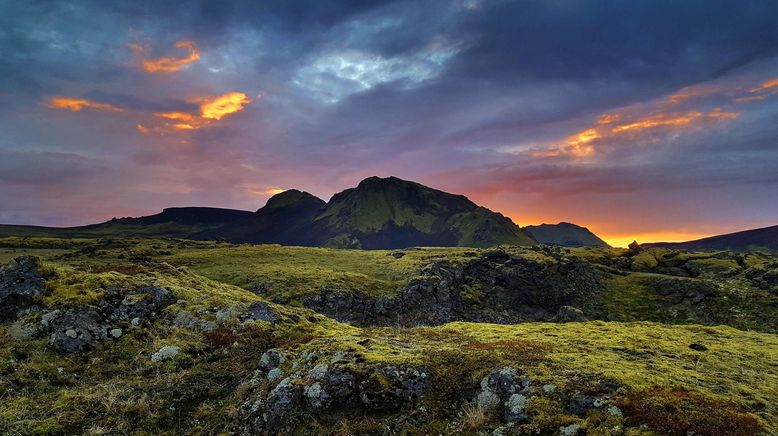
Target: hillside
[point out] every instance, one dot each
(184, 337)
(394, 213)
(764, 238)
(564, 234)
(285, 219)
(378, 213)
(174, 222)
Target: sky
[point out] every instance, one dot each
(643, 119)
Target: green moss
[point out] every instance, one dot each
(70, 287)
(117, 389)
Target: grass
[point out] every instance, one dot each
(738, 367)
(662, 379)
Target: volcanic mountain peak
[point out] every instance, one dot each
(292, 197)
(394, 213)
(378, 200)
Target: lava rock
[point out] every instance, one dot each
(23, 329)
(678, 290)
(506, 391)
(144, 302)
(260, 288)
(261, 311)
(270, 359)
(326, 387)
(77, 330)
(570, 314)
(20, 285)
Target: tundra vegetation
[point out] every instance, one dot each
(167, 336)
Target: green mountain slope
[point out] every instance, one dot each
(394, 213)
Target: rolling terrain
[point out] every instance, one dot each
(169, 336)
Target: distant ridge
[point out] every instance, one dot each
(379, 213)
(764, 238)
(565, 234)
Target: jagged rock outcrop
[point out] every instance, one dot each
(492, 287)
(82, 327)
(77, 330)
(678, 290)
(324, 386)
(20, 284)
(506, 391)
(764, 276)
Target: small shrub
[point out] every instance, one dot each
(474, 417)
(219, 338)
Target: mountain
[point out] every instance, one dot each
(394, 213)
(174, 222)
(764, 238)
(379, 213)
(285, 219)
(565, 234)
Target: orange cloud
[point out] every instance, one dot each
(608, 118)
(141, 128)
(720, 115)
(212, 109)
(77, 104)
(578, 144)
(182, 120)
(659, 120)
(689, 93)
(584, 143)
(179, 116)
(770, 84)
(168, 64)
(223, 105)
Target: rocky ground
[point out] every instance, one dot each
(128, 337)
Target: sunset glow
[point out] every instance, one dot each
(770, 84)
(218, 107)
(77, 104)
(274, 191)
(640, 120)
(659, 120)
(168, 63)
(622, 240)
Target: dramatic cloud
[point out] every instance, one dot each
(218, 107)
(641, 118)
(76, 104)
(168, 64)
(211, 109)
